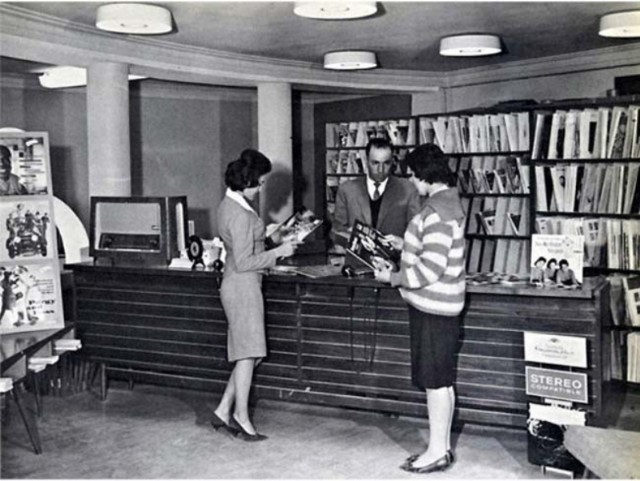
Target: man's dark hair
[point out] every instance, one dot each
(431, 165)
(378, 143)
(245, 172)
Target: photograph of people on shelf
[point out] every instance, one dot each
(379, 199)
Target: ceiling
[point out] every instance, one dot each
(405, 35)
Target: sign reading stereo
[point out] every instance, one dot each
(550, 383)
(555, 349)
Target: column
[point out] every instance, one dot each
(108, 129)
(274, 141)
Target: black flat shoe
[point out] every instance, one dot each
(440, 464)
(243, 434)
(218, 423)
(413, 457)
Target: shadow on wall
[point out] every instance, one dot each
(202, 221)
(277, 195)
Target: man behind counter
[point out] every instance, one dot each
(385, 202)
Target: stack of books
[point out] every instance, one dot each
(63, 345)
(6, 384)
(37, 364)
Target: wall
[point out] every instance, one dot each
(182, 137)
(573, 85)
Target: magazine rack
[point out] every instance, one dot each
(29, 266)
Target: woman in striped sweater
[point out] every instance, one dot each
(431, 279)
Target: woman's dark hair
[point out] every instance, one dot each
(245, 172)
(541, 258)
(552, 260)
(431, 165)
(563, 262)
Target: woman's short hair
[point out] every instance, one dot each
(245, 172)
(431, 165)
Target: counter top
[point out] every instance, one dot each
(587, 291)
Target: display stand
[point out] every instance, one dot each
(29, 267)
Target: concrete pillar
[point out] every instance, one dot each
(108, 129)
(274, 141)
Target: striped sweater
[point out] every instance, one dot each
(432, 276)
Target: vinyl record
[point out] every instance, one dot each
(195, 249)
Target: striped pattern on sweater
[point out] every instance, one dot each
(432, 275)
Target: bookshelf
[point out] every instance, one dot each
(345, 154)
(586, 159)
(489, 151)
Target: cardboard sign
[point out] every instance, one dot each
(550, 383)
(555, 349)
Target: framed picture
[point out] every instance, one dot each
(30, 287)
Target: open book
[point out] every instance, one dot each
(297, 227)
(365, 243)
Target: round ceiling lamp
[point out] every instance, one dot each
(134, 18)
(621, 24)
(470, 45)
(350, 60)
(335, 10)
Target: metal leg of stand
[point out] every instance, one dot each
(103, 381)
(35, 384)
(32, 427)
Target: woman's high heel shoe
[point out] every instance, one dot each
(218, 423)
(242, 433)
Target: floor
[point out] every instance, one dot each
(154, 432)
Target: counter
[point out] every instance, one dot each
(334, 341)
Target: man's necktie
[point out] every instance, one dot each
(376, 192)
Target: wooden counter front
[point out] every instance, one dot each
(332, 341)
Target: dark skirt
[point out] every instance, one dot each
(434, 344)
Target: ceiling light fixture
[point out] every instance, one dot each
(335, 10)
(470, 45)
(66, 76)
(134, 18)
(621, 24)
(350, 60)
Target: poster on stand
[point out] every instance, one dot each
(25, 230)
(24, 161)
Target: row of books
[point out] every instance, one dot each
(507, 132)
(497, 216)
(591, 133)
(597, 187)
(357, 134)
(493, 175)
(354, 162)
(633, 357)
(610, 243)
(505, 256)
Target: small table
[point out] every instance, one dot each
(15, 351)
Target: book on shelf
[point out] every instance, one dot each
(568, 253)
(631, 287)
(365, 243)
(486, 219)
(633, 357)
(296, 228)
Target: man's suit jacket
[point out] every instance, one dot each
(400, 202)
